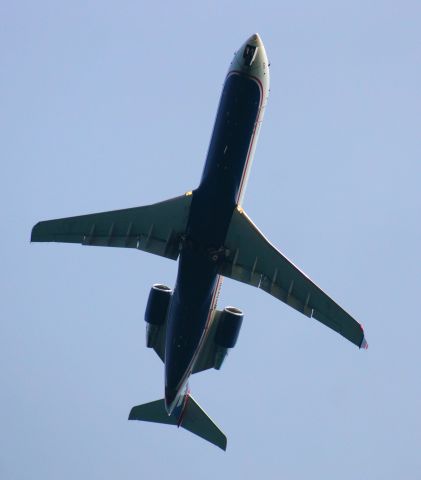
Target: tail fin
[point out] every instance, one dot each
(192, 418)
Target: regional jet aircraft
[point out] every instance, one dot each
(212, 236)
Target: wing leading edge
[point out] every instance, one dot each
(250, 258)
(153, 228)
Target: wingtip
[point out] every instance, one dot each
(364, 344)
(34, 233)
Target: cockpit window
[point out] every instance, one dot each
(249, 55)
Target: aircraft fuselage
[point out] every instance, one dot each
(221, 189)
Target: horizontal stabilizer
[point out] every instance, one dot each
(191, 417)
(152, 412)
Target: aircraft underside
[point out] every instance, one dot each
(212, 236)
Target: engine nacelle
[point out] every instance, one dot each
(227, 332)
(158, 303)
(229, 327)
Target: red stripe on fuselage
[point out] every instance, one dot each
(183, 411)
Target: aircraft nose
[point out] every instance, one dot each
(255, 40)
(251, 59)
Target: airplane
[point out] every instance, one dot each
(212, 236)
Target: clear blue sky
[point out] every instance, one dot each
(108, 105)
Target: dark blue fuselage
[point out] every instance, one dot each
(210, 214)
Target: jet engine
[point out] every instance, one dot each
(227, 332)
(157, 306)
(156, 313)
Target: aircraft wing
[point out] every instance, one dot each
(153, 228)
(250, 258)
